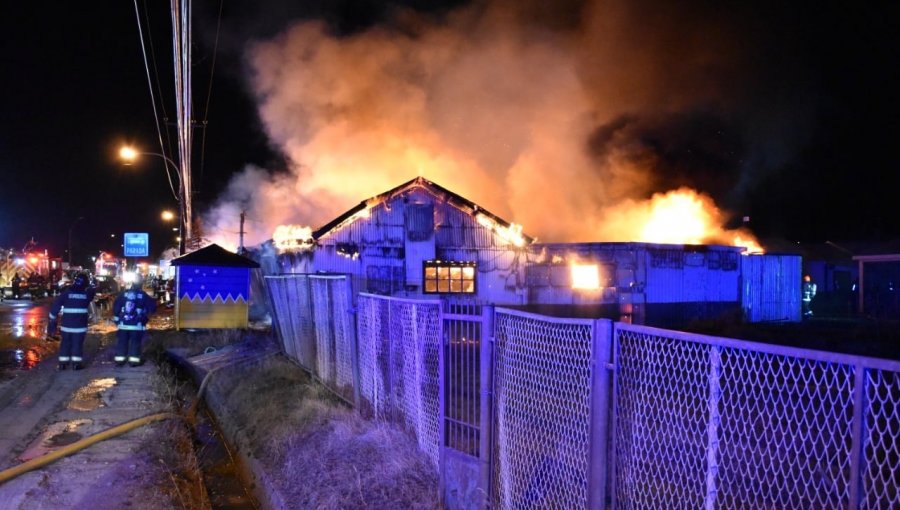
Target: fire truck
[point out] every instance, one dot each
(28, 272)
(109, 265)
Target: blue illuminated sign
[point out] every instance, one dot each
(137, 244)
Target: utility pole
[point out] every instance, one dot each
(70, 238)
(241, 247)
(181, 28)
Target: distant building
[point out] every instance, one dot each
(422, 240)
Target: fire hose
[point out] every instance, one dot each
(67, 450)
(190, 417)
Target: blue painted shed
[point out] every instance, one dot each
(212, 289)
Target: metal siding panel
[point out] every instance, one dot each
(771, 287)
(694, 284)
(664, 285)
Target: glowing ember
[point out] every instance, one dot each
(292, 238)
(585, 276)
(511, 234)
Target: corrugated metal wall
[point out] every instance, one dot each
(384, 251)
(686, 274)
(770, 287)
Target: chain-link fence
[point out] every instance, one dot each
(545, 421)
(400, 362)
(314, 317)
(696, 421)
(704, 422)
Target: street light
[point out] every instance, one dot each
(167, 215)
(129, 155)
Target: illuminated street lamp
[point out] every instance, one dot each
(129, 155)
(167, 215)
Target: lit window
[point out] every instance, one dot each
(446, 277)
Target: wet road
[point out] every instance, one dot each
(23, 328)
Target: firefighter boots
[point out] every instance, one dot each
(77, 366)
(62, 366)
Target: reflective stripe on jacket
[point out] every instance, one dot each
(74, 305)
(144, 306)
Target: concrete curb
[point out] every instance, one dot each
(252, 470)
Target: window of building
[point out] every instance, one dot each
(449, 277)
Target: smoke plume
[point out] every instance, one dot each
(562, 119)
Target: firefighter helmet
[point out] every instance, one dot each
(80, 281)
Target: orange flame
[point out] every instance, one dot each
(685, 216)
(292, 238)
(511, 234)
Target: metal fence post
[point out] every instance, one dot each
(858, 429)
(353, 338)
(276, 322)
(487, 405)
(390, 411)
(600, 401)
(712, 426)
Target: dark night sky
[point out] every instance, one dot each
(74, 89)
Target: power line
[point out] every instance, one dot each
(162, 104)
(212, 72)
(137, 16)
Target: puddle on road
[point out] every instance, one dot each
(23, 327)
(89, 397)
(55, 436)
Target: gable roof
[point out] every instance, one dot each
(446, 195)
(213, 255)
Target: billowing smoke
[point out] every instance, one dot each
(559, 119)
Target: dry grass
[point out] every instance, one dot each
(351, 463)
(322, 454)
(171, 444)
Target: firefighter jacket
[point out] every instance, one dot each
(74, 306)
(132, 309)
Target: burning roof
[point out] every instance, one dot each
(512, 232)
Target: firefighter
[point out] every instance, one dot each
(131, 312)
(809, 292)
(16, 286)
(74, 305)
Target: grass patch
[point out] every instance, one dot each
(318, 452)
(323, 454)
(171, 444)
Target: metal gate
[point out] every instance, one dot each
(466, 466)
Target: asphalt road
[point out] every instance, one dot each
(23, 328)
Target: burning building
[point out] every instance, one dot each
(422, 240)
